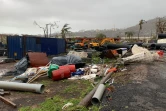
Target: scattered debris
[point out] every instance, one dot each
(140, 55)
(124, 69)
(8, 101)
(79, 54)
(38, 88)
(70, 66)
(98, 94)
(63, 60)
(67, 105)
(86, 100)
(37, 59)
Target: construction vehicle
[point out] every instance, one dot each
(107, 40)
(81, 44)
(94, 43)
(108, 52)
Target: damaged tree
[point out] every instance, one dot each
(160, 25)
(45, 29)
(141, 22)
(64, 31)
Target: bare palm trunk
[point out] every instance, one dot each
(139, 33)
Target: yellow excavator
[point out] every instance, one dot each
(81, 44)
(107, 40)
(94, 43)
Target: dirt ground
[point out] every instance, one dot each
(32, 99)
(143, 89)
(140, 88)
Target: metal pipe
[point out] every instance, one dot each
(116, 46)
(86, 100)
(161, 36)
(157, 46)
(138, 43)
(98, 94)
(38, 88)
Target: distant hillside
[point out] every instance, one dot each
(149, 28)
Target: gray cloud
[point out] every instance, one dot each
(17, 16)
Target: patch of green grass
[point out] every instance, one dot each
(57, 102)
(70, 89)
(27, 108)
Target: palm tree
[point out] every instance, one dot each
(129, 34)
(65, 30)
(141, 22)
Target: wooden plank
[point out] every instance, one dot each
(7, 101)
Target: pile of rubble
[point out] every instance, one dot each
(35, 65)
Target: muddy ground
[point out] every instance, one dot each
(32, 99)
(140, 88)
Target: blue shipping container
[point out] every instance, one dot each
(15, 49)
(32, 44)
(18, 46)
(60, 46)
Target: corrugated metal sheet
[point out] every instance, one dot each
(15, 49)
(49, 46)
(37, 59)
(32, 44)
(60, 46)
(38, 48)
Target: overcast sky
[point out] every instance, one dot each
(18, 16)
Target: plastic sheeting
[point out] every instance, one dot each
(63, 60)
(80, 54)
(140, 55)
(22, 65)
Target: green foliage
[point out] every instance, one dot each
(95, 58)
(129, 34)
(65, 29)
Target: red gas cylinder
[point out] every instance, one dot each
(57, 74)
(66, 70)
